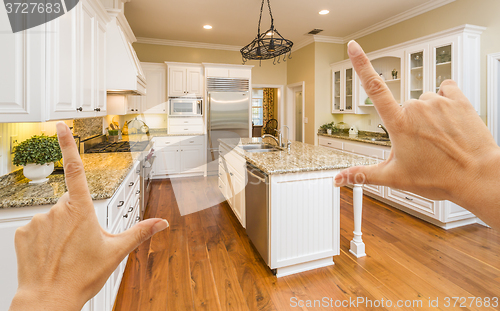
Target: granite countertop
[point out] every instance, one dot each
(302, 157)
(364, 137)
(105, 172)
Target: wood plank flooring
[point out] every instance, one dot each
(205, 261)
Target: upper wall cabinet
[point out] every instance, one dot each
(56, 70)
(155, 100)
(421, 66)
(184, 79)
(228, 71)
(452, 54)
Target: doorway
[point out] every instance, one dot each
(494, 95)
(267, 101)
(294, 112)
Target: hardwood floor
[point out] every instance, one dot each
(205, 261)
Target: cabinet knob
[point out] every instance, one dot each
(79, 109)
(138, 191)
(97, 109)
(125, 216)
(220, 187)
(137, 219)
(231, 174)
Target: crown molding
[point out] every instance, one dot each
(421, 9)
(328, 39)
(188, 44)
(302, 44)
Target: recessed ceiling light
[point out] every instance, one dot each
(324, 12)
(207, 27)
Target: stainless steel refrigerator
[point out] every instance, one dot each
(228, 114)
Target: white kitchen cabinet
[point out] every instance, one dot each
(55, 71)
(228, 71)
(179, 156)
(441, 213)
(186, 125)
(344, 96)
(124, 104)
(184, 79)
(155, 99)
(451, 54)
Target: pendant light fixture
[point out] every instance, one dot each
(268, 44)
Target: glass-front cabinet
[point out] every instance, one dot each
(417, 71)
(343, 88)
(444, 62)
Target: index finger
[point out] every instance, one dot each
(74, 173)
(373, 84)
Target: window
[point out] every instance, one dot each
(257, 107)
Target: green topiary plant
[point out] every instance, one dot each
(39, 149)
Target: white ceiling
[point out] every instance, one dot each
(235, 21)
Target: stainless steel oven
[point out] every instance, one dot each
(185, 106)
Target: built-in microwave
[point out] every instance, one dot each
(181, 106)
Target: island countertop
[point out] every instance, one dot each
(301, 158)
(105, 172)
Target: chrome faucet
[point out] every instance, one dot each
(279, 140)
(385, 130)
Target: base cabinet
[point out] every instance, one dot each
(445, 214)
(179, 156)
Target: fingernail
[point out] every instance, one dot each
(160, 226)
(353, 48)
(61, 129)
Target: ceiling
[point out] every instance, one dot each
(235, 21)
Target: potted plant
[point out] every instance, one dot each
(329, 128)
(394, 74)
(37, 156)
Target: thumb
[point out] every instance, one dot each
(142, 231)
(372, 174)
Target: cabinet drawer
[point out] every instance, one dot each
(332, 143)
(377, 190)
(185, 129)
(185, 121)
(115, 207)
(195, 140)
(160, 142)
(364, 150)
(414, 202)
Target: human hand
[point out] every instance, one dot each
(441, 149)
(64, 257)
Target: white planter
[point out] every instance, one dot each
(329, 131)
(38, 172)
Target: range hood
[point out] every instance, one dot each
(124, 74)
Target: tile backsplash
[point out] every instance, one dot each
(87, 127)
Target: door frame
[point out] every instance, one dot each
(493, 101)
(291, 112)
(279, 99)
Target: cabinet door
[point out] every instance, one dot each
(62, 66)
(336, 87)
(167, 161)
(194, 83)
(177, 81)
(444, 61)
(88, 59)
(348, 105)
(417, 71)
(22, 70)
(101, 69)
(155, 95)
(192, 159)
(238, 188)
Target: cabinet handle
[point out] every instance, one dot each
(191, 142)
(120, 204)
(186, 122)
(97, 109)
(138, 171)
(125, 216)
(409, 199)
(231, 174)
(329, 143)
(131, 209)
(186, 129)
(220, 187)
(138, 191)
(79, 109)
(137, 219)
(131, 184)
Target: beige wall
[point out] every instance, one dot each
(267, 73)
(476, 12)
(301, 68)
(325, 54)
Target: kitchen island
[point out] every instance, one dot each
(303, 205)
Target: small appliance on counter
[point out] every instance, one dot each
(353, 131)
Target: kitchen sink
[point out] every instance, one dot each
(259, 148)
